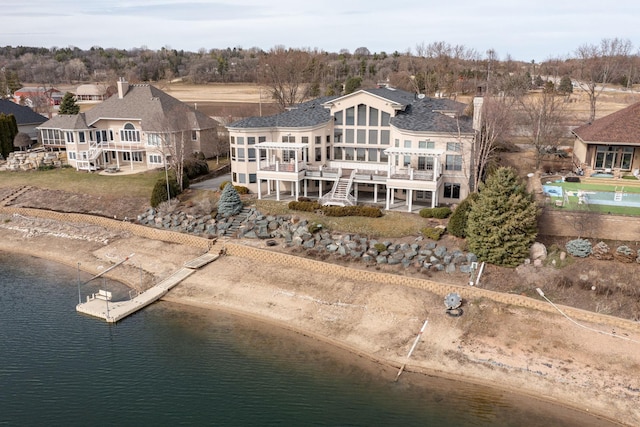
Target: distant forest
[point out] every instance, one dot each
(437, 68)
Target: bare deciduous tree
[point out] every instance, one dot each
(496, 121)
(598, 66)
(543, 115)
(284, 71)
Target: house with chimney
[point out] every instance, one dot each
(138, 128)
(383, 146)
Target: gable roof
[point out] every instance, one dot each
(620, 127)
(149, 105)
(24, 115)
(306, 114)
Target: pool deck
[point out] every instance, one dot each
(100, 304)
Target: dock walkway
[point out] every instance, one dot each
(100, 305)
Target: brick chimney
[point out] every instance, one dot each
(123, 87)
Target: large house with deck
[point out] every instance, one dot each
(383, 146)
(139, 128)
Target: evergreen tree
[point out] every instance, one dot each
(229, 203)
(8, 131)
(565, 87)
(502, 222)
(68, 104)
(457, 225)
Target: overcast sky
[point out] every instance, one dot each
(526, 30)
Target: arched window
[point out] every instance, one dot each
(129, 133)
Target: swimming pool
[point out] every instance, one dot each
(609, 198)
(601, 175)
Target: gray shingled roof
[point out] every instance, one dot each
(24, 115)
(310, 113)
(425, 115)
(66, 122)
(414, 114)
(148, 104)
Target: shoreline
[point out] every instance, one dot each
(509, 348)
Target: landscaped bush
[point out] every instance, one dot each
(314, 227)
(579, 247)
(457, 225)
(223, 184)
(440, 213)
(380, 247)
(367, 211)
(195, 167)
(306, 206)
(159, 193)
(241, 189)
(432, 233)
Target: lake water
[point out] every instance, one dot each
(175, 365)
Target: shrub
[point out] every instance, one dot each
(159, 193)
(306, 206)
(241, 189)
(579, 247)
(432, 233)
(314, 227)
(224, 184)
(380, 247)
(439, 213)
(195, 167)
(457, 225)
(366, 211)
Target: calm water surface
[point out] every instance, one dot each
(175, 365)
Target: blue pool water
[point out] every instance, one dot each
(601, 175)
(552, 190)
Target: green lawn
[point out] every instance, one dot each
(68, 179)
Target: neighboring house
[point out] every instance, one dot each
(610, 144)
(26, 118)
(38, 97)
(140, 128)
(375, 145)
(91, 93)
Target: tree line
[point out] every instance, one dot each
(429, 68)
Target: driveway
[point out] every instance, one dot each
(211, 184)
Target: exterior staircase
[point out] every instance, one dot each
(237, 222)
(340, 194)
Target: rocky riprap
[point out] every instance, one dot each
(422, 254)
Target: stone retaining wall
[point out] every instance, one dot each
(138, 230)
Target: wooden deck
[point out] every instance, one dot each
(100, 304)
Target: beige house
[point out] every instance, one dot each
(139, 128)
(381, 146)
(609, 145)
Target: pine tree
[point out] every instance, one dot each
(565, 86)
(229, 203)
(68, 104)
(502, 222)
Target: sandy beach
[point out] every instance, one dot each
(514, 348)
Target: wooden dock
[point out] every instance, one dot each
(100, 304)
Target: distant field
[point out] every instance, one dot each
(248, 99)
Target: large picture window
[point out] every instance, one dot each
(129, 133)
